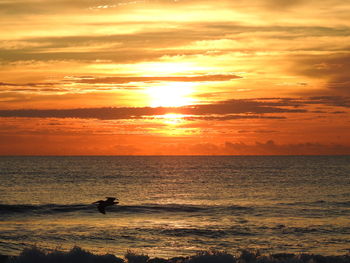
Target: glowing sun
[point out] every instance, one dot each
(172, 94)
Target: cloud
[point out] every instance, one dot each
(242, 106)
(257, 131)
(20, 7)
(259, 148)
(271, 148)
(139, 46)
(122, 80)
(39, 84)
(38, 87)
(223, 108)
(232, 117)
(40, 6)
(154, 41)
(337, 101)
(334, 69)
(259, 108)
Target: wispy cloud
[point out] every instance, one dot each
(272, 148)
(334, 69)
(121, 80)
(224, 108)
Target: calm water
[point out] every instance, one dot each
(171, 206)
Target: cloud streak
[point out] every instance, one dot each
(272, 148)
(269, 147)
(220, 108)
(122, 80)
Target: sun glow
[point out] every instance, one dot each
(172, 125)
(172, 118)
(166, 68)
(173, 94)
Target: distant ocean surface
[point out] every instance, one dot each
(173, 206)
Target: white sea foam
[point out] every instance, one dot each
(78, 255)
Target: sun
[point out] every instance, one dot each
(171, 94)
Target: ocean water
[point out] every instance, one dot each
(176, 206)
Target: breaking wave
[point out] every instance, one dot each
(77, 255)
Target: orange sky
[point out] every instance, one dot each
(148, 77)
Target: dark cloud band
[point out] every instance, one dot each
(222, 109)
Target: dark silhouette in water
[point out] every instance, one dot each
(103, 203)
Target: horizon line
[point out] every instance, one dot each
(170, 155)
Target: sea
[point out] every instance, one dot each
(176, 205)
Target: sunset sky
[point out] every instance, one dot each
(149, 77)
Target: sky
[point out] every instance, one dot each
(174, 77)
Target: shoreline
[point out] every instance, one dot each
(79, 255)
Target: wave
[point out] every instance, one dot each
(209, 233)
(314, 229)
(6, 209)
(46, 208)
(180, 232)
(76, 254)
(245, 231)
(319, 203)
